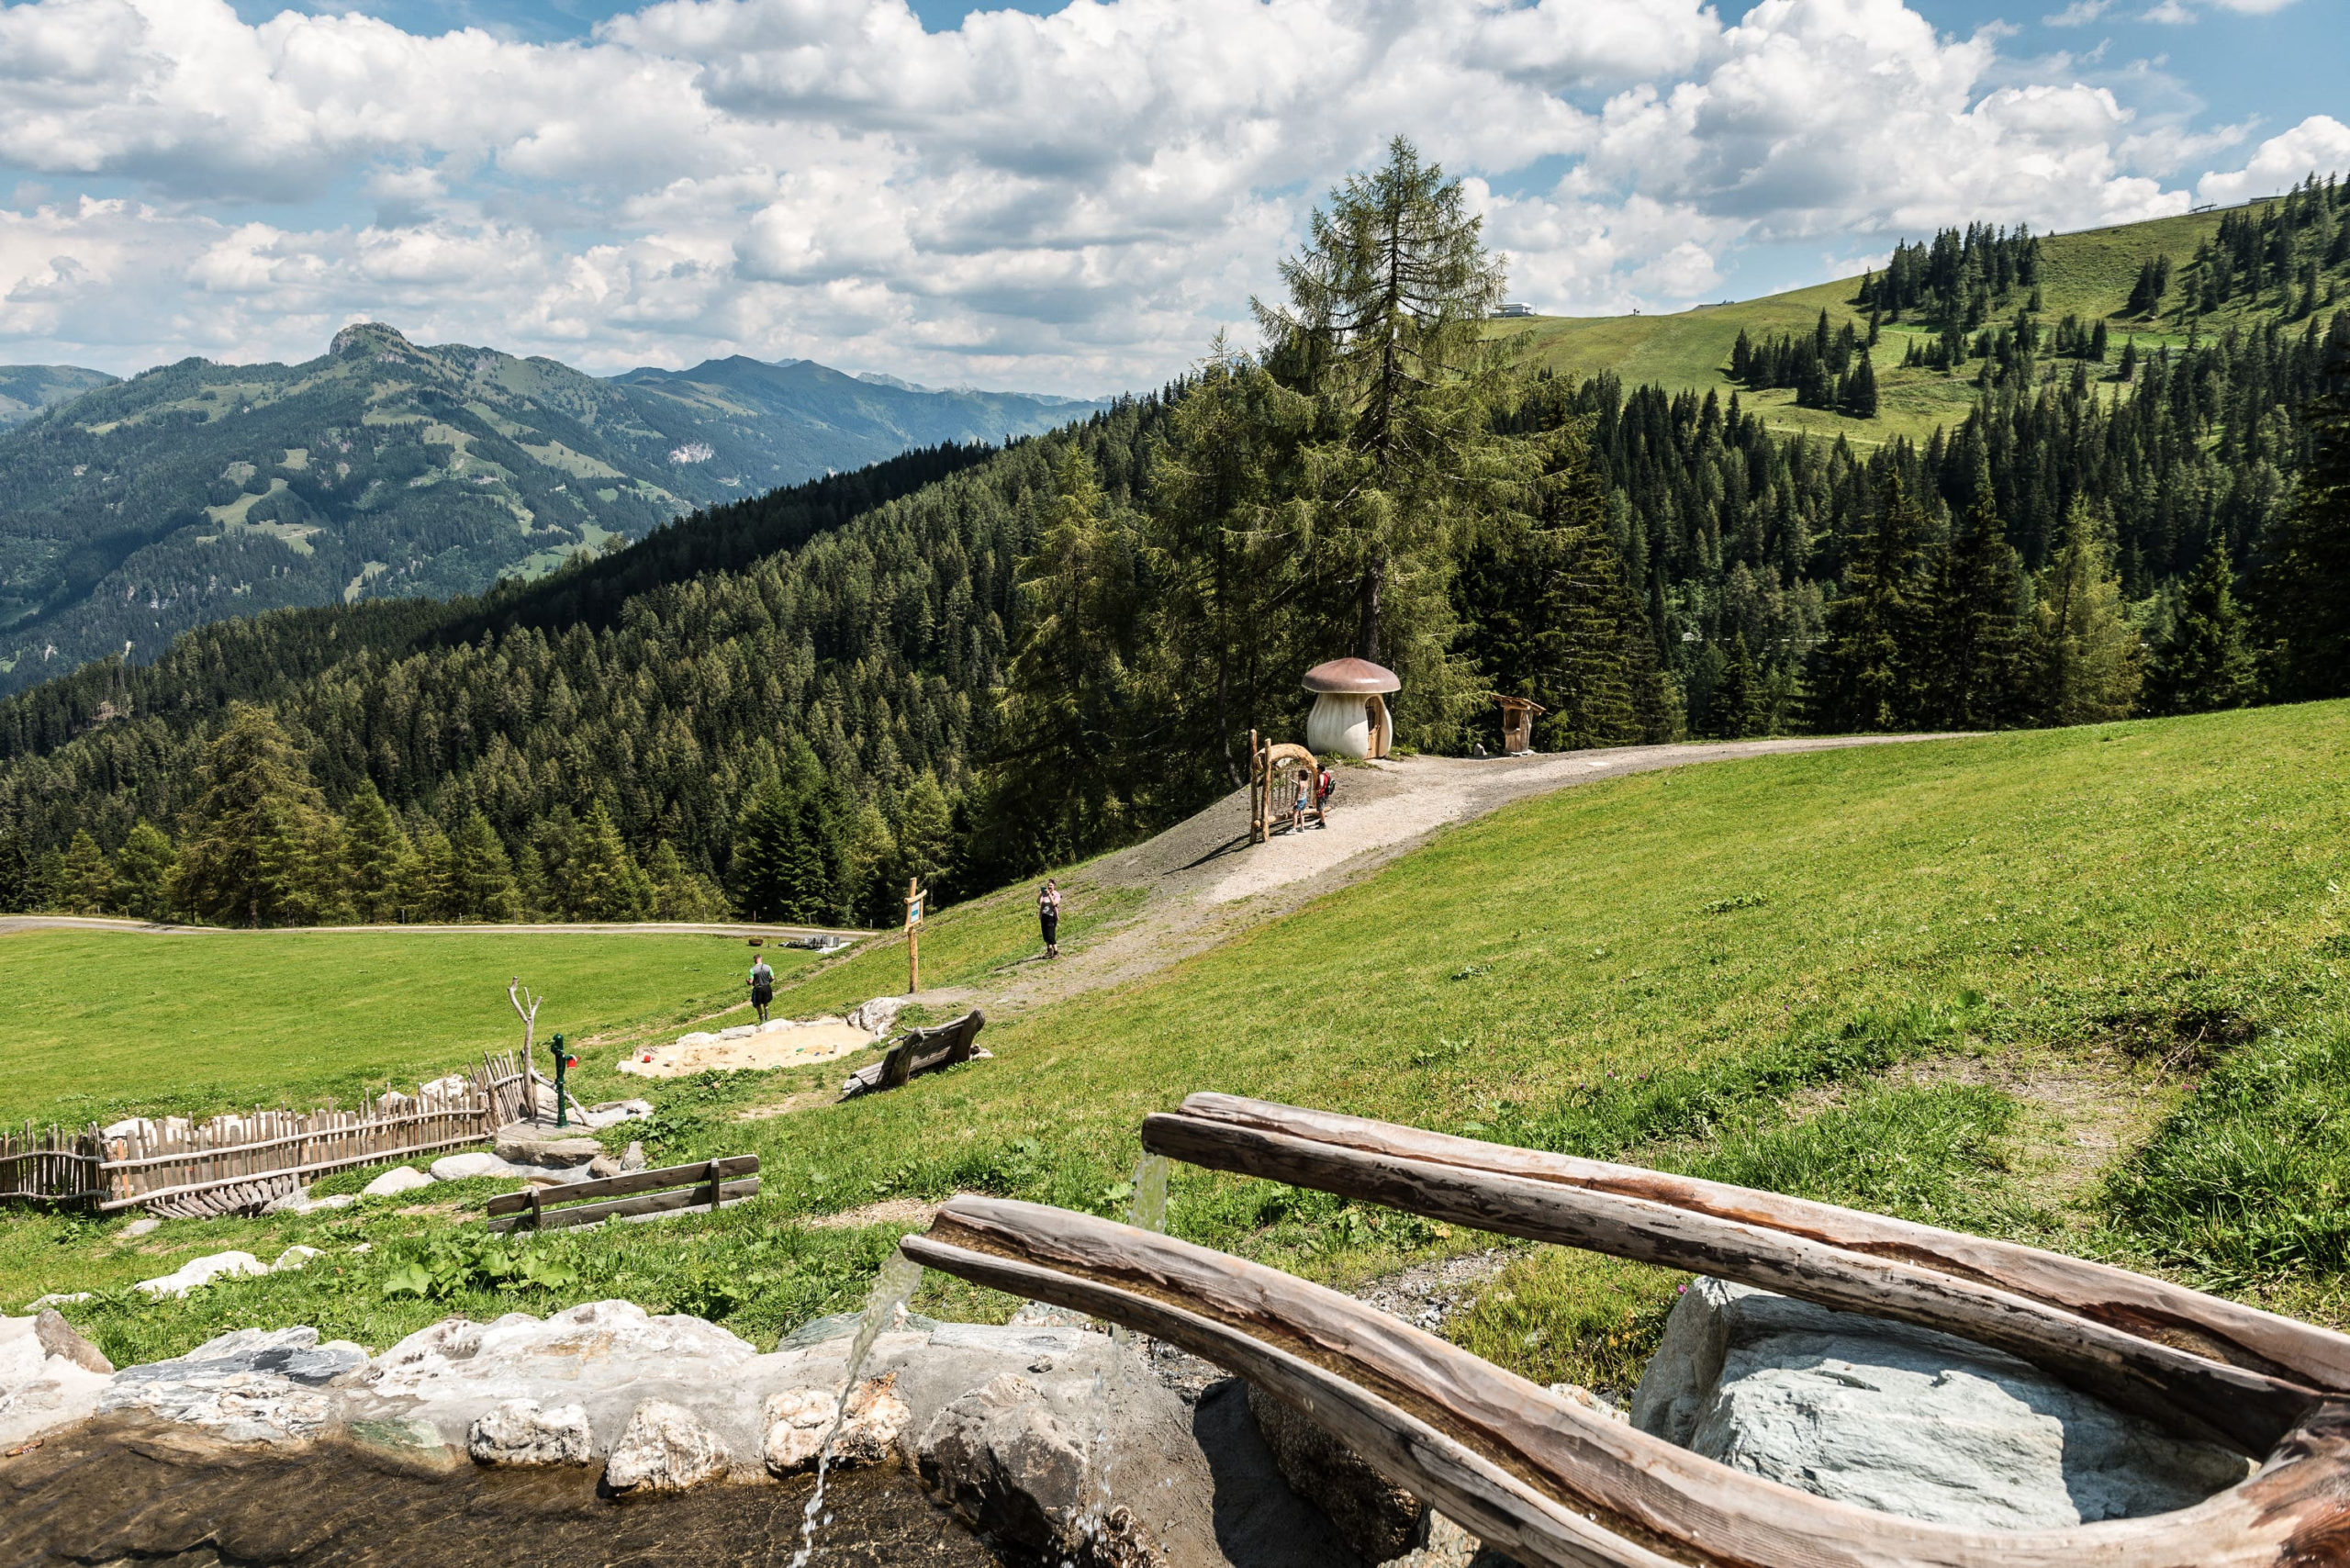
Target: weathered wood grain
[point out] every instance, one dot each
(629, 1181)
(700, 1196)
(2147, 1308)
(1518, 1465)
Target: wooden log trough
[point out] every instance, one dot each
(1550, 1483)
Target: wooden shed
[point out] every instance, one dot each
(1518, 714)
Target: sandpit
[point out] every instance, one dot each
(781, 1042)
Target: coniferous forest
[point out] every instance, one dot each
(965, 664)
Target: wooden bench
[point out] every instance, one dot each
(705, 1184)
(919, 1051)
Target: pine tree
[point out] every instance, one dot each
(2207, 664)
(2305, 596)
(2091, 660)
(1868, 667)
(142, 873)
(1736, 711)
(428, 881)
(925, 837)
(679, 893)
(1975, 674)
(481, 876)
(606, 882)
(86, 886)
(1860, 395)
(378, 854)
(761, 861)
(246, 852)
(1384, 328)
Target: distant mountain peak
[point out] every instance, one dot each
(370, 337)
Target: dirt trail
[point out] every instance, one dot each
(1203, 881)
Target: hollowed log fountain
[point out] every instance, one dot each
(1550, 1483)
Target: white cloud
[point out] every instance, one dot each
(2320, 145)
(2170, 12)
(2079, 14)
(1075, 201)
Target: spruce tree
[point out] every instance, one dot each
(761, 857)
(1975, 674)
(607, 884)
(2089, 658)
(1868, 673)
(378, 854)
(86, 885)
(2305, 585)
(1737, 707)
(142, 871)
(481, 876)
(1860, 395)
(247, 849)
(2207, 664)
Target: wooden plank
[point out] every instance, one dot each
(629, 1182)
(2148, 1308)
(2177, 1389)
(693, 1197)
(1516, 1465)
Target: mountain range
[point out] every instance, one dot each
(132, 510)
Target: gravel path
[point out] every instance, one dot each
(1205, 881)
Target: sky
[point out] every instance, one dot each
(1072, 199)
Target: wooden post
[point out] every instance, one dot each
(913, 934)
(1255, 795)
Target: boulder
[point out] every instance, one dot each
(1009, 1466)
(524, 1432)
(611, 1112)
(665, 1448)
(632, 1156)
(59, 1339)
(524, 1144)
(877, 1016)
(294, 1257)
(398, 1180)
(456, 1086)
(250, 1386)
(601, 1167)
(459, 1167)
(799, 1418)
(1377, 1519)
(200, 1271)
(1906, 1421)
(49, 1376)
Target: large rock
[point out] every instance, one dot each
(523, 1143)
(665, 1447)
(524, 1432)
(459, 1167)
(1378, 1520)
(252, 1385)
(49, 1376)
(1014, 1467)
(398, 1180)
(799, 1419)
(200, 1272)
(1906, 1421)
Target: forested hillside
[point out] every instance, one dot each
(964, 665)
(384, 468)
(26, 389)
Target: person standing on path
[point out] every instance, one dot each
(1304, 793)
(1323, 786)
(762, 986)
(1048, 916)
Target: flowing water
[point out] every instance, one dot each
(885, 1308)
(1148, 1212)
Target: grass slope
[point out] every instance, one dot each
(101, 1022)
(1781, 970)
(2088, 275)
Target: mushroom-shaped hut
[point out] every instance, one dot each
(1349, 715)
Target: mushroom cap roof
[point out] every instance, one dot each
(1351, 675)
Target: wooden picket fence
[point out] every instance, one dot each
(241, 1162)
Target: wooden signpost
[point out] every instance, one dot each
(913, 934)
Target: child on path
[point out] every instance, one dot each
(1304, 793)
(1048, 916)
(762, 986)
